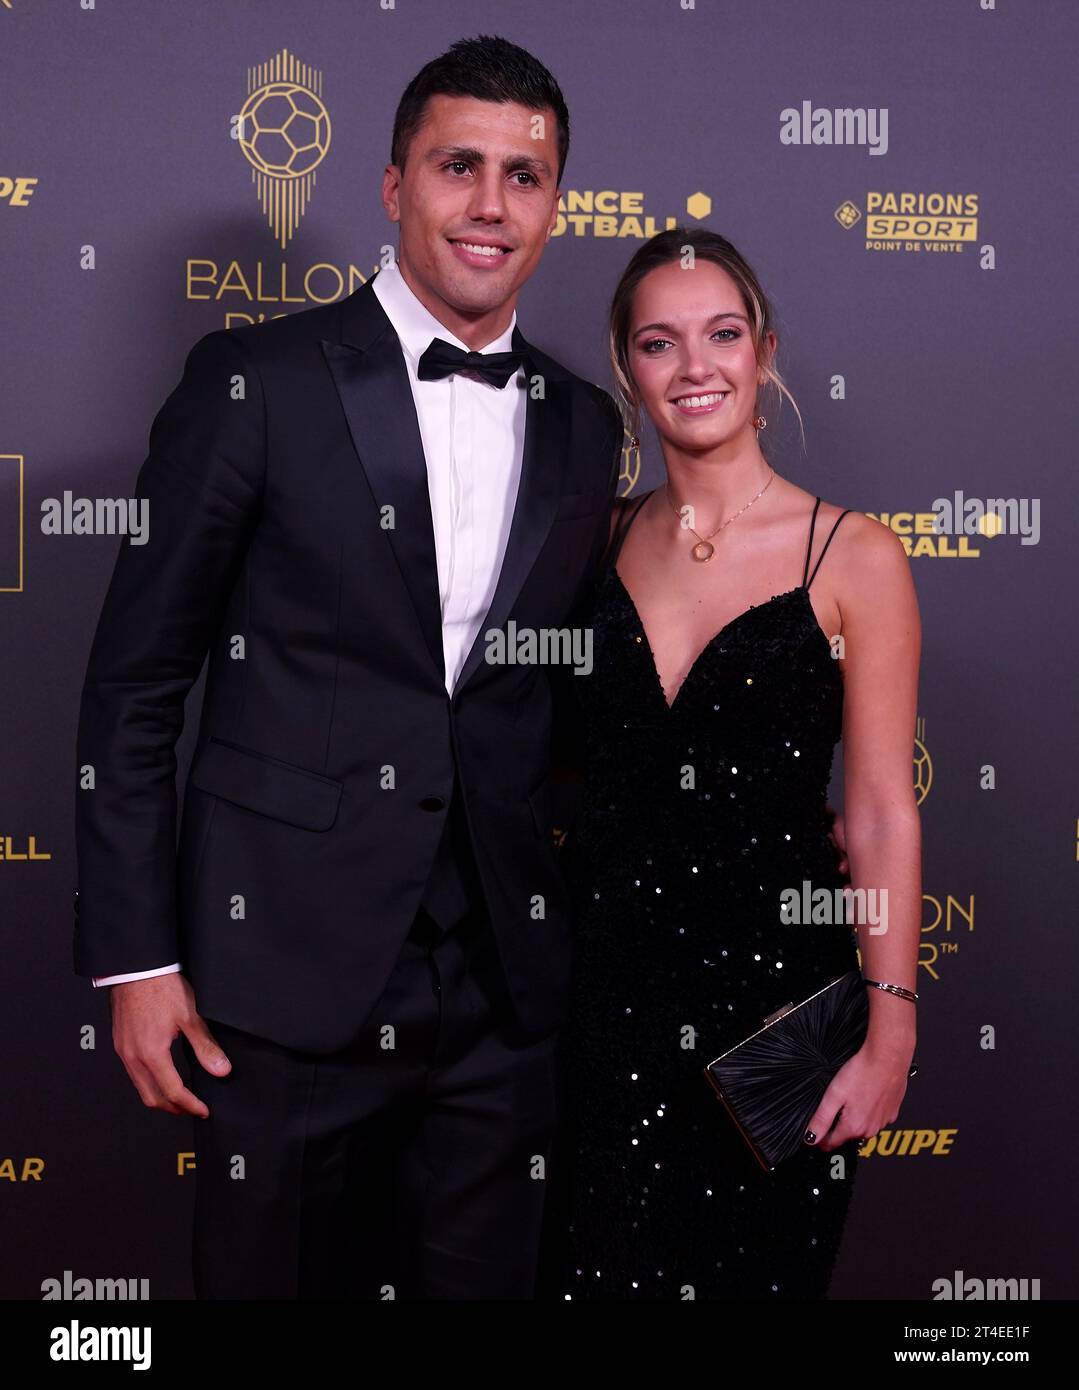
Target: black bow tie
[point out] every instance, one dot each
(443, 359)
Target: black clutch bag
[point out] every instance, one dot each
(773, 1082)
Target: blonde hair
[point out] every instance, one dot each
(662, 249)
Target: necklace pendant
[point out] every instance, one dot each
(702, 551)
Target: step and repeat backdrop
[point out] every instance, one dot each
(899, 176)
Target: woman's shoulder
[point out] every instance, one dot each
(864, 537)
(861, 549)
(849, 529)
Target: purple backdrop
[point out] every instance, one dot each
(920, 273)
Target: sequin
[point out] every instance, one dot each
(677, 897)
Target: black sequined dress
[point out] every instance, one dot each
(693, 818)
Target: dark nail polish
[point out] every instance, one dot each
(810, 1137)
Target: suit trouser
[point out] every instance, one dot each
(404, 1165)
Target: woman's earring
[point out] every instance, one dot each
(759, 423)
(634, 443)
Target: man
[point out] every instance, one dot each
(362, 937)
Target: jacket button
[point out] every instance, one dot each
(433, 803)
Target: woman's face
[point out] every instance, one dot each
(691, 355)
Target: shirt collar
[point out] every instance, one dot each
(414, 323)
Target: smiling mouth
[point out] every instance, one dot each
(701, 402)
(492, 250)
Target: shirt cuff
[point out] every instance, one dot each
(135, 975)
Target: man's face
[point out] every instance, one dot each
(477, 174)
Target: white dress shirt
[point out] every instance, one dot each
(473, 441)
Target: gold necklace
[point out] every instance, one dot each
(704, 549)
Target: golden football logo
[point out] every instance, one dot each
(284, 132)
(923, 764)
(630, 470)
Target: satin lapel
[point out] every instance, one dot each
(372, 382)
(543, 464)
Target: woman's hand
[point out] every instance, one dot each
(865, 1093)
(838, 837)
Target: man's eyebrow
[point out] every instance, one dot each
(469, 155)
(668, 328)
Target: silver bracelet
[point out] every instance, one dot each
(895, 989)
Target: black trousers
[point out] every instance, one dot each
(411, 1164)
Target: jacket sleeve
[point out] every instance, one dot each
(202, 484)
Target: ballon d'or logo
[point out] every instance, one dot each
(284, 132)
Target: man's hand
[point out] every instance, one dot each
(147, 1017)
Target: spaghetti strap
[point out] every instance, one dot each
(809, 545)
(827, 543)
(625, 521)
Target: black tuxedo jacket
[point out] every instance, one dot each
(328, 746)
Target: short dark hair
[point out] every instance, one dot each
(487, 68)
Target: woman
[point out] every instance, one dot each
(717, 695)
